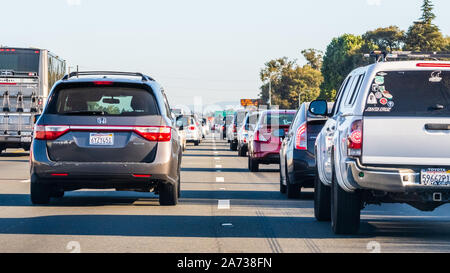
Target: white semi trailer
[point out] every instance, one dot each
(26, 78)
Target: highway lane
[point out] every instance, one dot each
(224, 208)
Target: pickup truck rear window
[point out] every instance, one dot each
(108, 101)
(409, 93)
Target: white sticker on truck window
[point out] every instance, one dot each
(372, 99)
(379, 80)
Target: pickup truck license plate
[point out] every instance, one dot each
(101, 139)
(435, 177)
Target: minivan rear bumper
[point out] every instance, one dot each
(392, 180)
(102, 174)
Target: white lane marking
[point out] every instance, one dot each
(217, 158)
(222, 189)
(216, 153)
(218, 166)
(25, 181)
(220, 179)
(223, 204)
(227, 225)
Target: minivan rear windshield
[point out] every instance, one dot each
(109, 101)
(409, 93)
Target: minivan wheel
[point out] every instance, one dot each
(293, 190)
(253, 165)
(345, 209)
(322, 200)
(57, 193)
(39, 193)
(168, 194)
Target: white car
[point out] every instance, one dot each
(386, 141)
(191, 128)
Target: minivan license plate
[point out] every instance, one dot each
(101, 139)
(435, 177)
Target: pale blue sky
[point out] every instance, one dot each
(213, 49)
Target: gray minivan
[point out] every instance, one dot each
(102, 132)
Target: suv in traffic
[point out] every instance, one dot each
(104, 132)
(386, 141)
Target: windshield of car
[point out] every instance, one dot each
(409, 93)
(111, 101)
(278, 119)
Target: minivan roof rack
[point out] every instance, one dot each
(111, 73)
(384, 56)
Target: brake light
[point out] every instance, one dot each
(301, 140)
(44, 132)
(59, 174)
(142, 175)
(234, 129)
(433, 65)
(160, 134)
(103, 83)
(191, 128)
(355, 138)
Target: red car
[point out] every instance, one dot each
(265, 142)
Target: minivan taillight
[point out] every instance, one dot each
(50, 132)
(160, 134)
(260, 137)
(355, 138)
(301, 140)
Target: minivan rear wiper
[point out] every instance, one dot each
(86, 113)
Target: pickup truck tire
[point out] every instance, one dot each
(39, 193)
(168, 194)
(282, 186)
(322, 200)
(253, 165)
(345, 209)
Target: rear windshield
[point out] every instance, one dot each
(183, 121)
(410, 93)
(278, 119)
(110, 101)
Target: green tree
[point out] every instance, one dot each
(423, 35)
(343, 54)
(313, 57)
(289, 82)
(389, 38)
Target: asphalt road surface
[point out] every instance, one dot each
(223, 208)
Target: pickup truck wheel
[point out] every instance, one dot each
(345, 209)
(322, 200)
(168, 194)
(39, 193)
(253, 165)
(282, 186)
(293, 190)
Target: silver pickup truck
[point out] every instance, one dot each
(387, 141)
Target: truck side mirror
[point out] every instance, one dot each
(35, 118)
(319, 108)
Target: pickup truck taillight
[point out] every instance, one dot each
(191, 128)
(355, 138)
(301, 141)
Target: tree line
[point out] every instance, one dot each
(324, 72)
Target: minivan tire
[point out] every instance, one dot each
(168, 194)
(345, 209)
(39, 193)
(322, 200)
